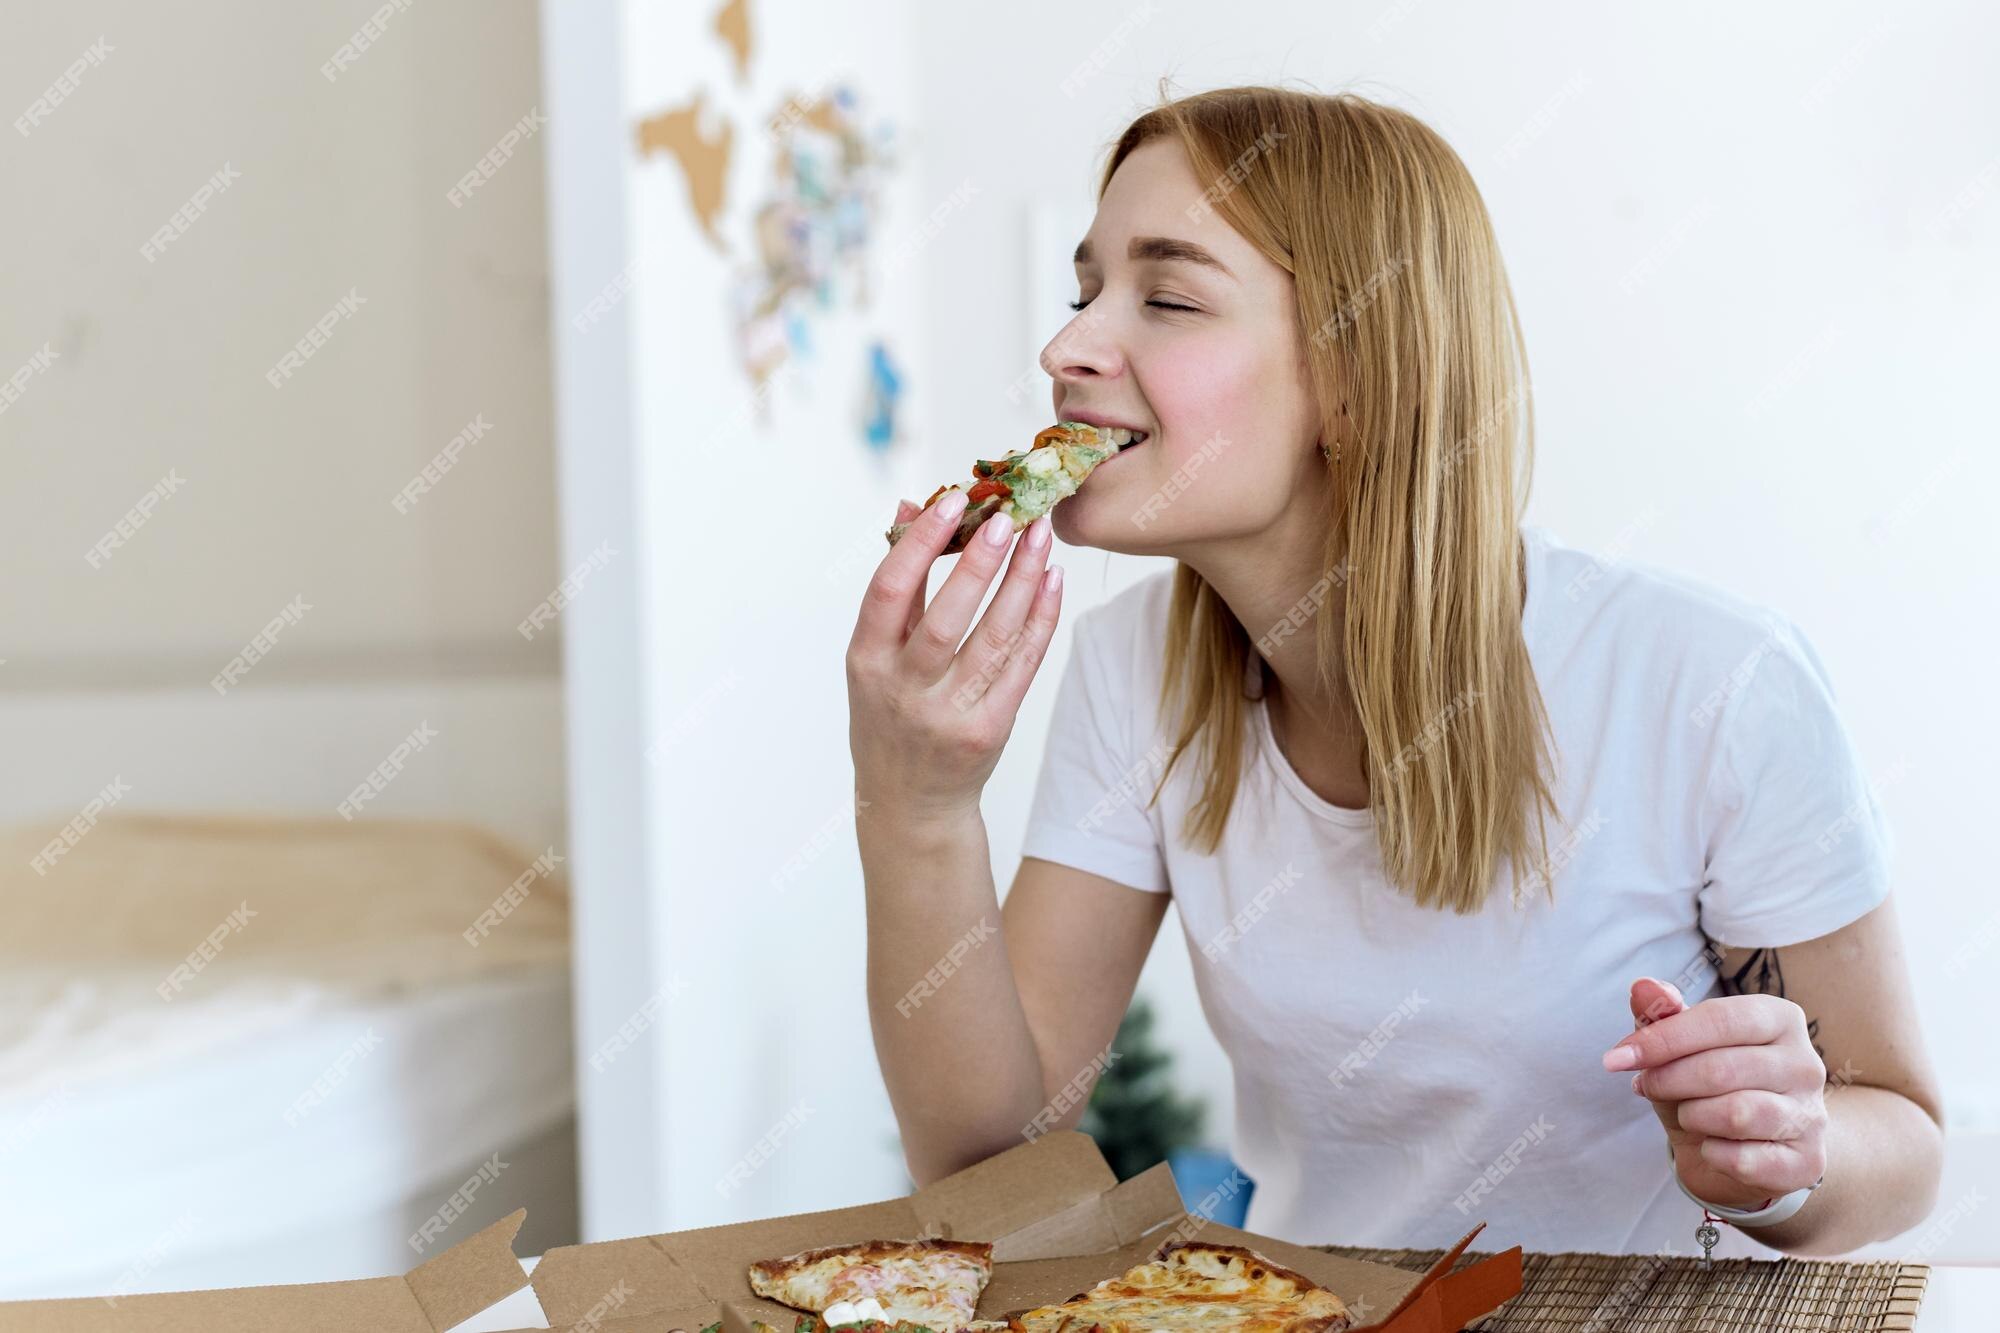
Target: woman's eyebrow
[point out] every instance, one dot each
(1166, 249)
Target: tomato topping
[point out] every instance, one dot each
(989, 487)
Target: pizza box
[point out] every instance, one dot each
(1059, 1219)
(442, 1291)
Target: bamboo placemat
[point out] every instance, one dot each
(1647, 1293)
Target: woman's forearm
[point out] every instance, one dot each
(1884, 1155)
(953, 1040)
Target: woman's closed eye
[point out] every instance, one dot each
(1161, 305)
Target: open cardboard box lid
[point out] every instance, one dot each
(1058, 1218)
(444, 1290)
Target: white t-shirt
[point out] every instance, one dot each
(1403, 1074)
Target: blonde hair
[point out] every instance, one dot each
(1406, 318)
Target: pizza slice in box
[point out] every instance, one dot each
(928, 1283)
(1027, 483)
(1189, 1285)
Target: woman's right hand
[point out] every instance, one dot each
(927, 719)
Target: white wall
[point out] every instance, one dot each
(1755, 254)
(748, 618)
(160, 362)
(714, 640)
(618, 898)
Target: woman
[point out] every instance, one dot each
(1459, 819)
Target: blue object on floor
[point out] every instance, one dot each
(1211, 1185)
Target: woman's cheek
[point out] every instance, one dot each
(1230, 485)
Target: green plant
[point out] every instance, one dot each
(1135, 1114)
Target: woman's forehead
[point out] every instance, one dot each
(1156, 211)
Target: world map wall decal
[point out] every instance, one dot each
(802, 246)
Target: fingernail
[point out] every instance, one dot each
(1621, 1056)
(1053, 579)
(996, 530)
(1635, 1083)
(950, 505)
(1038, 533)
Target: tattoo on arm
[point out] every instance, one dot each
(1760, 974)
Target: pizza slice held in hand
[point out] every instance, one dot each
(1027, 483)
(928, 1283)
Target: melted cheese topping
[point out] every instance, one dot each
(849, 1312)
(1197, 1287)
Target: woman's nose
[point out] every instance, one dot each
(1082, 349)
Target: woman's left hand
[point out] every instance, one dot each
(1737, 1084)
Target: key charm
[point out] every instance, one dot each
(1706, 1236)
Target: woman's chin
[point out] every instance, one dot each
(1068, 525)
(1087, 519)
(1084, 520)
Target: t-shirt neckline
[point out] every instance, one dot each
(1267, 740)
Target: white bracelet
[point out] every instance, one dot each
(1778, 1210)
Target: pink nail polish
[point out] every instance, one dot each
(1621, 1056)
(996, 530)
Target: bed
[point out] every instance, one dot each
(248, 1040)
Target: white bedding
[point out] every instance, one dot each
(187, 1171)
(339, 1064)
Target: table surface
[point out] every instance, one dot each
(1957, 1300)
